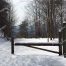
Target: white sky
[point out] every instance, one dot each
(19, 9)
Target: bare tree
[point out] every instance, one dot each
(47, 14)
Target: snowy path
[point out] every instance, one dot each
(25, 56)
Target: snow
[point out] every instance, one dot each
(25, 56)
(36, 40)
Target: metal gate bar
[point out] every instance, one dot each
(37, 44)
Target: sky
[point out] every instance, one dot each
(19, 9)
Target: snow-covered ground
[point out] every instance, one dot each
(36, 40)
(25, 56)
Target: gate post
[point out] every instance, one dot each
(60, 42)
(12, 39)
(64, 39)
(12, 45)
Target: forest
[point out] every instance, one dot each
(43, 19)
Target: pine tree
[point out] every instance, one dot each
(4, 18)
(23, 29)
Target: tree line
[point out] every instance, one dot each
(44, 17)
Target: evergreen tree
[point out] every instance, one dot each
(23, 29)
(5, 18)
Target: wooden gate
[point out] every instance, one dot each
(52, 21)
(13, 44)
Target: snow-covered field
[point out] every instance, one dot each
(25, 56)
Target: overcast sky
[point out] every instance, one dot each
(19, 9)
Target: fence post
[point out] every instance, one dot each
(12, 45)
(60, 42)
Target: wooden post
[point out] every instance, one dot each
(64, 48)
(60, 41)
(64, 39)
(12, 45)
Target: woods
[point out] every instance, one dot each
(43, 18)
